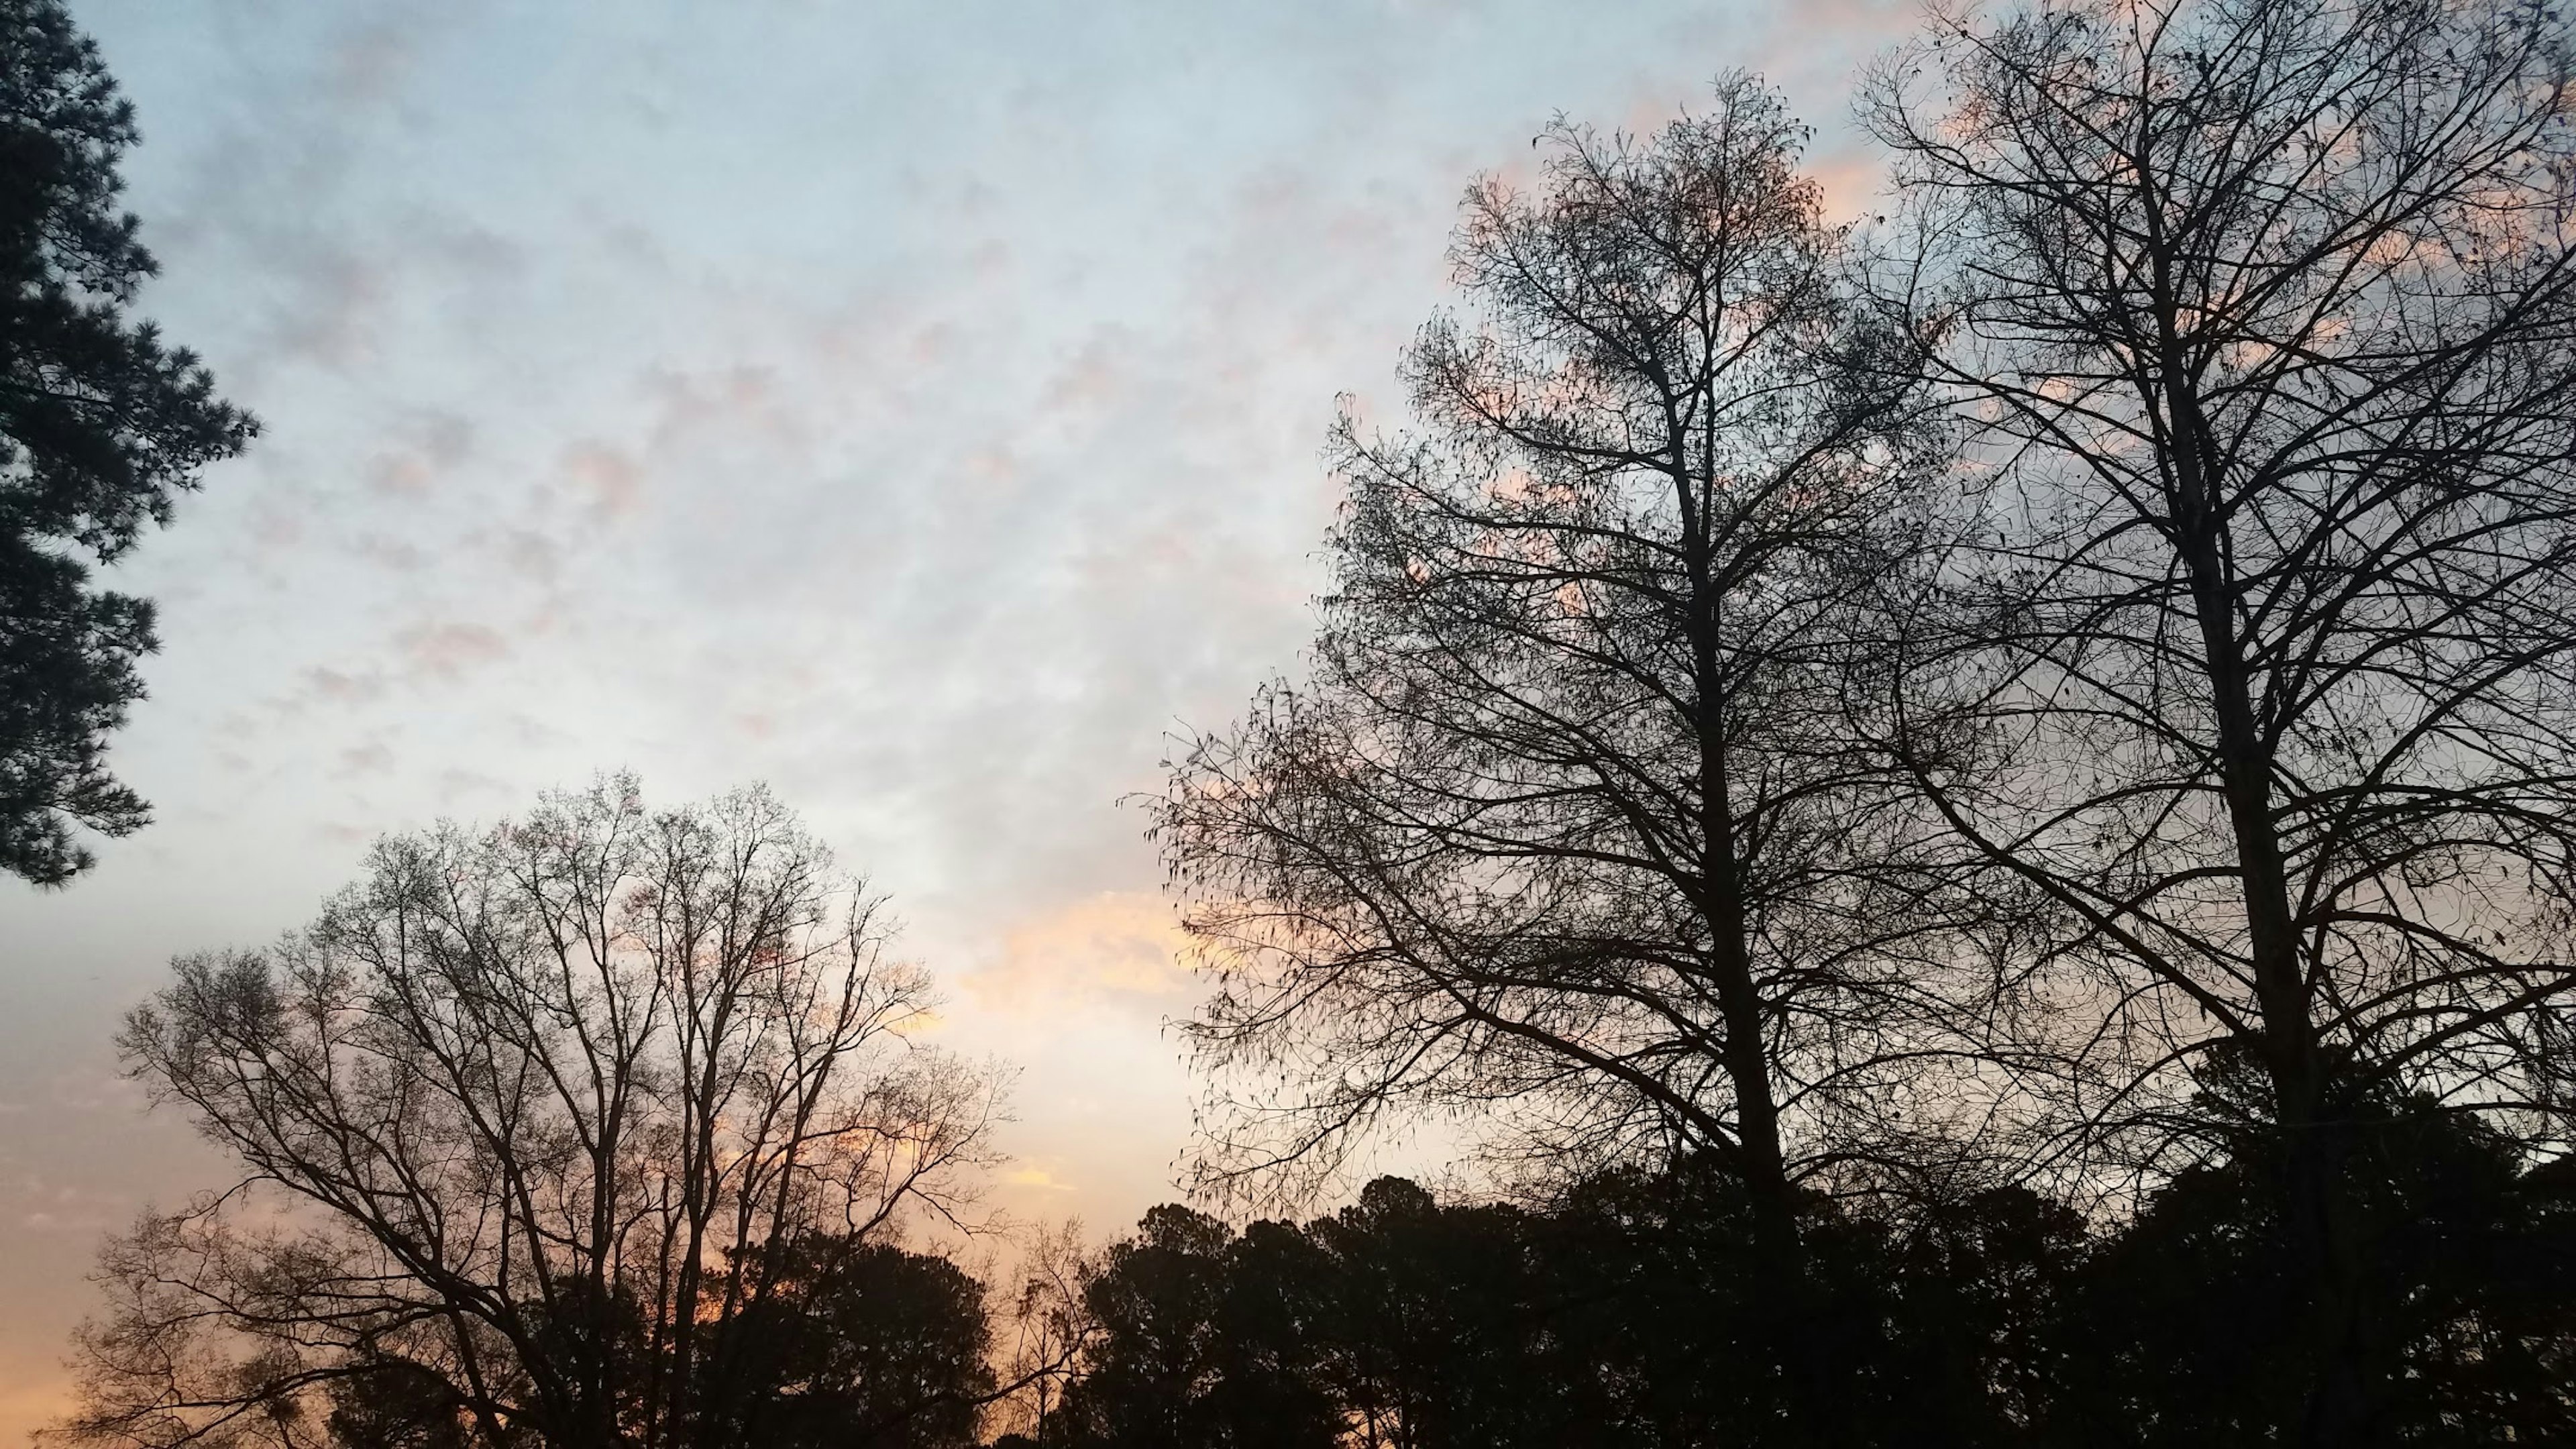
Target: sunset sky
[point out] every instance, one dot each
(915, 404)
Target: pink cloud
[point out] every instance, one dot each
(1112, 947)
(1089, 382)
(448, 650)
(437, 443)
(610, 478)
(404, 476)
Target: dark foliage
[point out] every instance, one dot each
(855, 1344)
(397, 1404)
(844, 1343)
(101, 426)
(2193, 1329)
(1632, 1312)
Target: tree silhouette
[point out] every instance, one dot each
(1567, 827)
(1203, 1339)
(1630, 1313)
(595, 1119)
(2269, 308)
(853, 1343)
(100, 427)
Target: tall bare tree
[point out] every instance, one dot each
(2266, 308)
(1565, 829)
(528, 1119)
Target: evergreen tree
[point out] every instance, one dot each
(101, 426)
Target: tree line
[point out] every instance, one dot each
(1631, 1308)
(1970, 813)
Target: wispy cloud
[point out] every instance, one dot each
(1121, 949)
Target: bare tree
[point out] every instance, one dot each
(2265, 306)
(526, 1119)
(1051, 1329)
(1567, 831)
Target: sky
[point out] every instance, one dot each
(914, 404)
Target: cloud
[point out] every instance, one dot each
(1037, 1178)
(531, 555)
(606, 477)
(400, 474)
(400, 555)
(455, 784)
(448, 651)
(372, 758)
(343, 688)
(333, 315)
(434, 444)
(1114, 948)
(373, 59)
(1092, 379)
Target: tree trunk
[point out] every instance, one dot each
(1762, 1165)
(2332, 1404)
